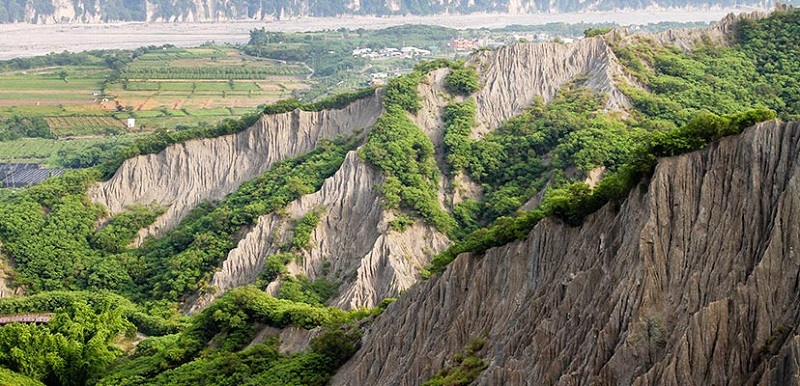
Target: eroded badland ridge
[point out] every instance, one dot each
(686, 274)
(693, 280)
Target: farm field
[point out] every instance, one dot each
(169, 88)
(49, 89)
(159, 89)
(205, 78)
(173, 86)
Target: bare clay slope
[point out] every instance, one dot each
(693, 281)
(184, 175)
(352, 244)
(513, 76)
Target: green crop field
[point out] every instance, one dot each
(162, 89)
(84, 125)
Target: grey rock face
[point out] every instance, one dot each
(512, 77)
(184, 175)
(4, 290)
(692, 281)
(352, 244)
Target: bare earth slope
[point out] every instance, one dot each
(352, 244)
(513, 76)
(186, 174)
(692, 281)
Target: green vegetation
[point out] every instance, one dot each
(301, 233)
(335, 102)
(122, 228)
(462, 80)
(215, 347)
(10, 378)
(720, 80)
(465, 367)
(106, 291)
(47, 230)
(405, 155)
(516, 161)
(459, 118)
(302, 290)
(17, 127)
(401, 222)
(275, 267)
(772, 42)
(592, 32)
(77, 345)
(62, 153)
(401, 93)
(572, 202)
(178, 263)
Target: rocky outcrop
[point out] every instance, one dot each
(694, 280)
(4, 290)
(293, 339)
(512, 77)
(352, 243)
(186, 174)
(720, 34)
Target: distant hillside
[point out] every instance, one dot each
(56, 11)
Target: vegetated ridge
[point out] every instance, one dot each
(208, 169)
(692, 280)
(351, 237)
(349, 205)
(369, 262)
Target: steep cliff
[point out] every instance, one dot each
(719, 34)
(512, 77)
(352, 243)
(186, 174)
(693, 280)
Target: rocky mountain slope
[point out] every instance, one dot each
(370, 260)
(543, 69)
(207, 169)
(353, 238)
(62, 11)
(373, 261)
(674, 264)
(693, 280)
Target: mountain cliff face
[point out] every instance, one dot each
(693, 280)
(186, 174)
(371, 260)
(543, 69)
(60, 11)
(352, 243)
